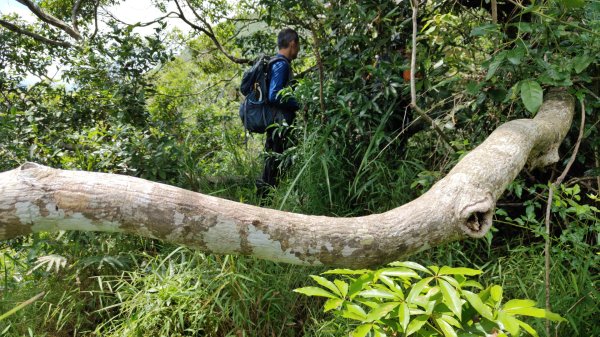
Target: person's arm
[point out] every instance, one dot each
(280, 73)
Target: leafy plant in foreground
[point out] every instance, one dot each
(410, 299)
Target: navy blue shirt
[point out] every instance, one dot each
(280, 76)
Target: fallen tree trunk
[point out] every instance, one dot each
(36, 198)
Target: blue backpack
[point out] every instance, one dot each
(255, 111)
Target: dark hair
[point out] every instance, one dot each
(286, 36)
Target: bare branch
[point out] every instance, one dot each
(74, 14)
(208, 31)
(96, 4)
(33, 35)
(50, 19)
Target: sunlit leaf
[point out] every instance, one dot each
(332, 303)
(416, 324)
(451, 298)
(361, 330)
(417, 289)
(446, 328)
(381, 311)
(478, 305)
(404, 315)
(327, 284)
(445, 270)
(378, 293)
(342, 286)
(510, 323)
(315, 291)
(411, 265)
(496, 293)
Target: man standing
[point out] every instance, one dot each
(284, 109)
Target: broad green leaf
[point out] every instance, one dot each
(315, 291)
(342, 286)
(411, 265)
(417, 289)
(400, 272)
(446, 328)
(451, 298)
(354, 311)
(378, 293)
(451, 280)
(381, 311)
(496, 293)
(359, 284)
(515, 55)
(534, 312)
(361, 330)
(495, 64)
(445, 270)
(510, 323)
(452, 321)
(404, 315)
(532, 95)
(378, 332)
(416, 324)
(517, 304)
(528, 328)
(472, 283)
(332, 303)
(327, 284)
(581, 62)
(478, 305)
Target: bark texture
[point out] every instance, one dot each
(36, 198)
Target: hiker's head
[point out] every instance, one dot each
(288, 42)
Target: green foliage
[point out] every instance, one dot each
(409, 299)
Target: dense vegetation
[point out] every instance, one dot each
(163, 106)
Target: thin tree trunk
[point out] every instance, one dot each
(36, 198)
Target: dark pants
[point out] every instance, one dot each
(275, 143)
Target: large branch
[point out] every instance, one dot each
(51, 20)
(33, 35)
(36, 198)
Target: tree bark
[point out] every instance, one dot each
(36, 198)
